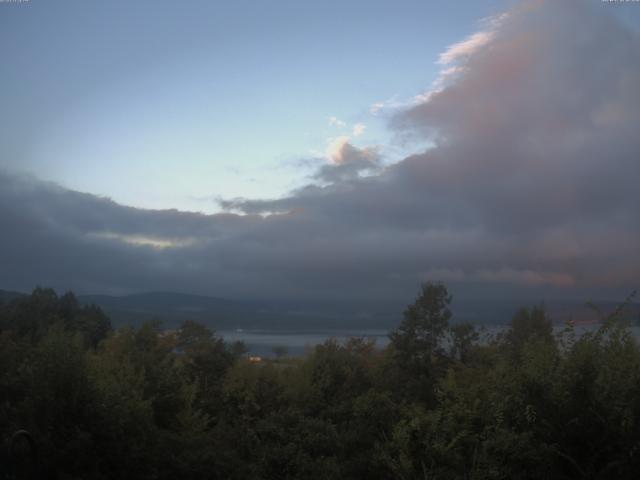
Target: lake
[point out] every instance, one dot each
(262, 342)
(299, 342)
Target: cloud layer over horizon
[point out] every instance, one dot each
(529, 186)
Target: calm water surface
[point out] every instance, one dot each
(262, 342)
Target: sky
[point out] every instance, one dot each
(161, 104)
(320, 150)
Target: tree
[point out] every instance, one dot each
(463, 336)
(425, 323)
(415, 344)
(280, 351)
(206, 358)
(33, 315)
(528, 324)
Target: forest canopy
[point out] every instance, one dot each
(440, 401)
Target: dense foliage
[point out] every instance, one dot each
(439, 402)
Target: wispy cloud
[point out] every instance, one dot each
(466, 48)
(391, 104)
(358, 129)
(336, 122)
(144, 241)
(453, 61)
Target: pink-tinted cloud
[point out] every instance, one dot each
(530, 185)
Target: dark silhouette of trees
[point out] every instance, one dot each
(416, 343)
(424, 326)
(148, 403)
(280, 351)
(463, 337)
(528, 325)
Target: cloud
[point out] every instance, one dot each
(534, 156)
(501, 276)
(335, 148)
(466, 48)
(347, 162)
(145, 241)
(335, 122)
(390, 105)
(376, 107)
(358, 129)
(460, 52)
(530, 186)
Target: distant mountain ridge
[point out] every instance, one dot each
(8, 295)
(158, 300)
(172, 308)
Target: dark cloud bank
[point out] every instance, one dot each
(530, 188)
